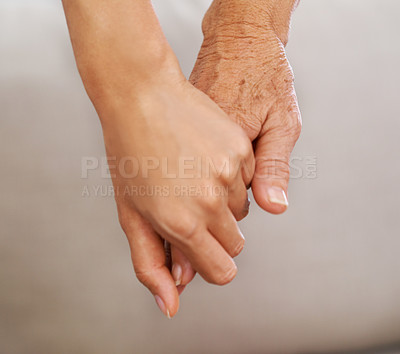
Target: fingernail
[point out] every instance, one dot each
(162, 307)
(177, 274)
(277, 195)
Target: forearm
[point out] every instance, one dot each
(260, 15)
(118, 44)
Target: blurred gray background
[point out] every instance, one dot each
(324, 277)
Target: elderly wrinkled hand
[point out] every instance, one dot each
(242, 66)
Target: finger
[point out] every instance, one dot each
(226, 230)
(182, 270)
(239, 177)
(244, 166)
(148, 257)
(272, 152)
(247, 167)
(180, 289)
(207, 256)
(238, 199)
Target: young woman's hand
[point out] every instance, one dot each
(155, 125)
(180, 168)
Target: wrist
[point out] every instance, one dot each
(142, 109)
(256, 18)
(119, 75)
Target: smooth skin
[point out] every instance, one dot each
(147, 108)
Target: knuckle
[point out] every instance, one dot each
(227, 177)
(222, 164)
(144, 276)
(230, 168)
(295, 125)
(242, 146)
(214, 203)
(287, 126)
(273, 168)
(183, 228)
(190, 235)
(190, 240)
(292, 123)
(226, 277)
(237, 249)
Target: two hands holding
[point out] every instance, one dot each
(238, 111)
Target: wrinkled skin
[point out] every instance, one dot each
(242, 66)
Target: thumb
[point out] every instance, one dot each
(272, 152)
